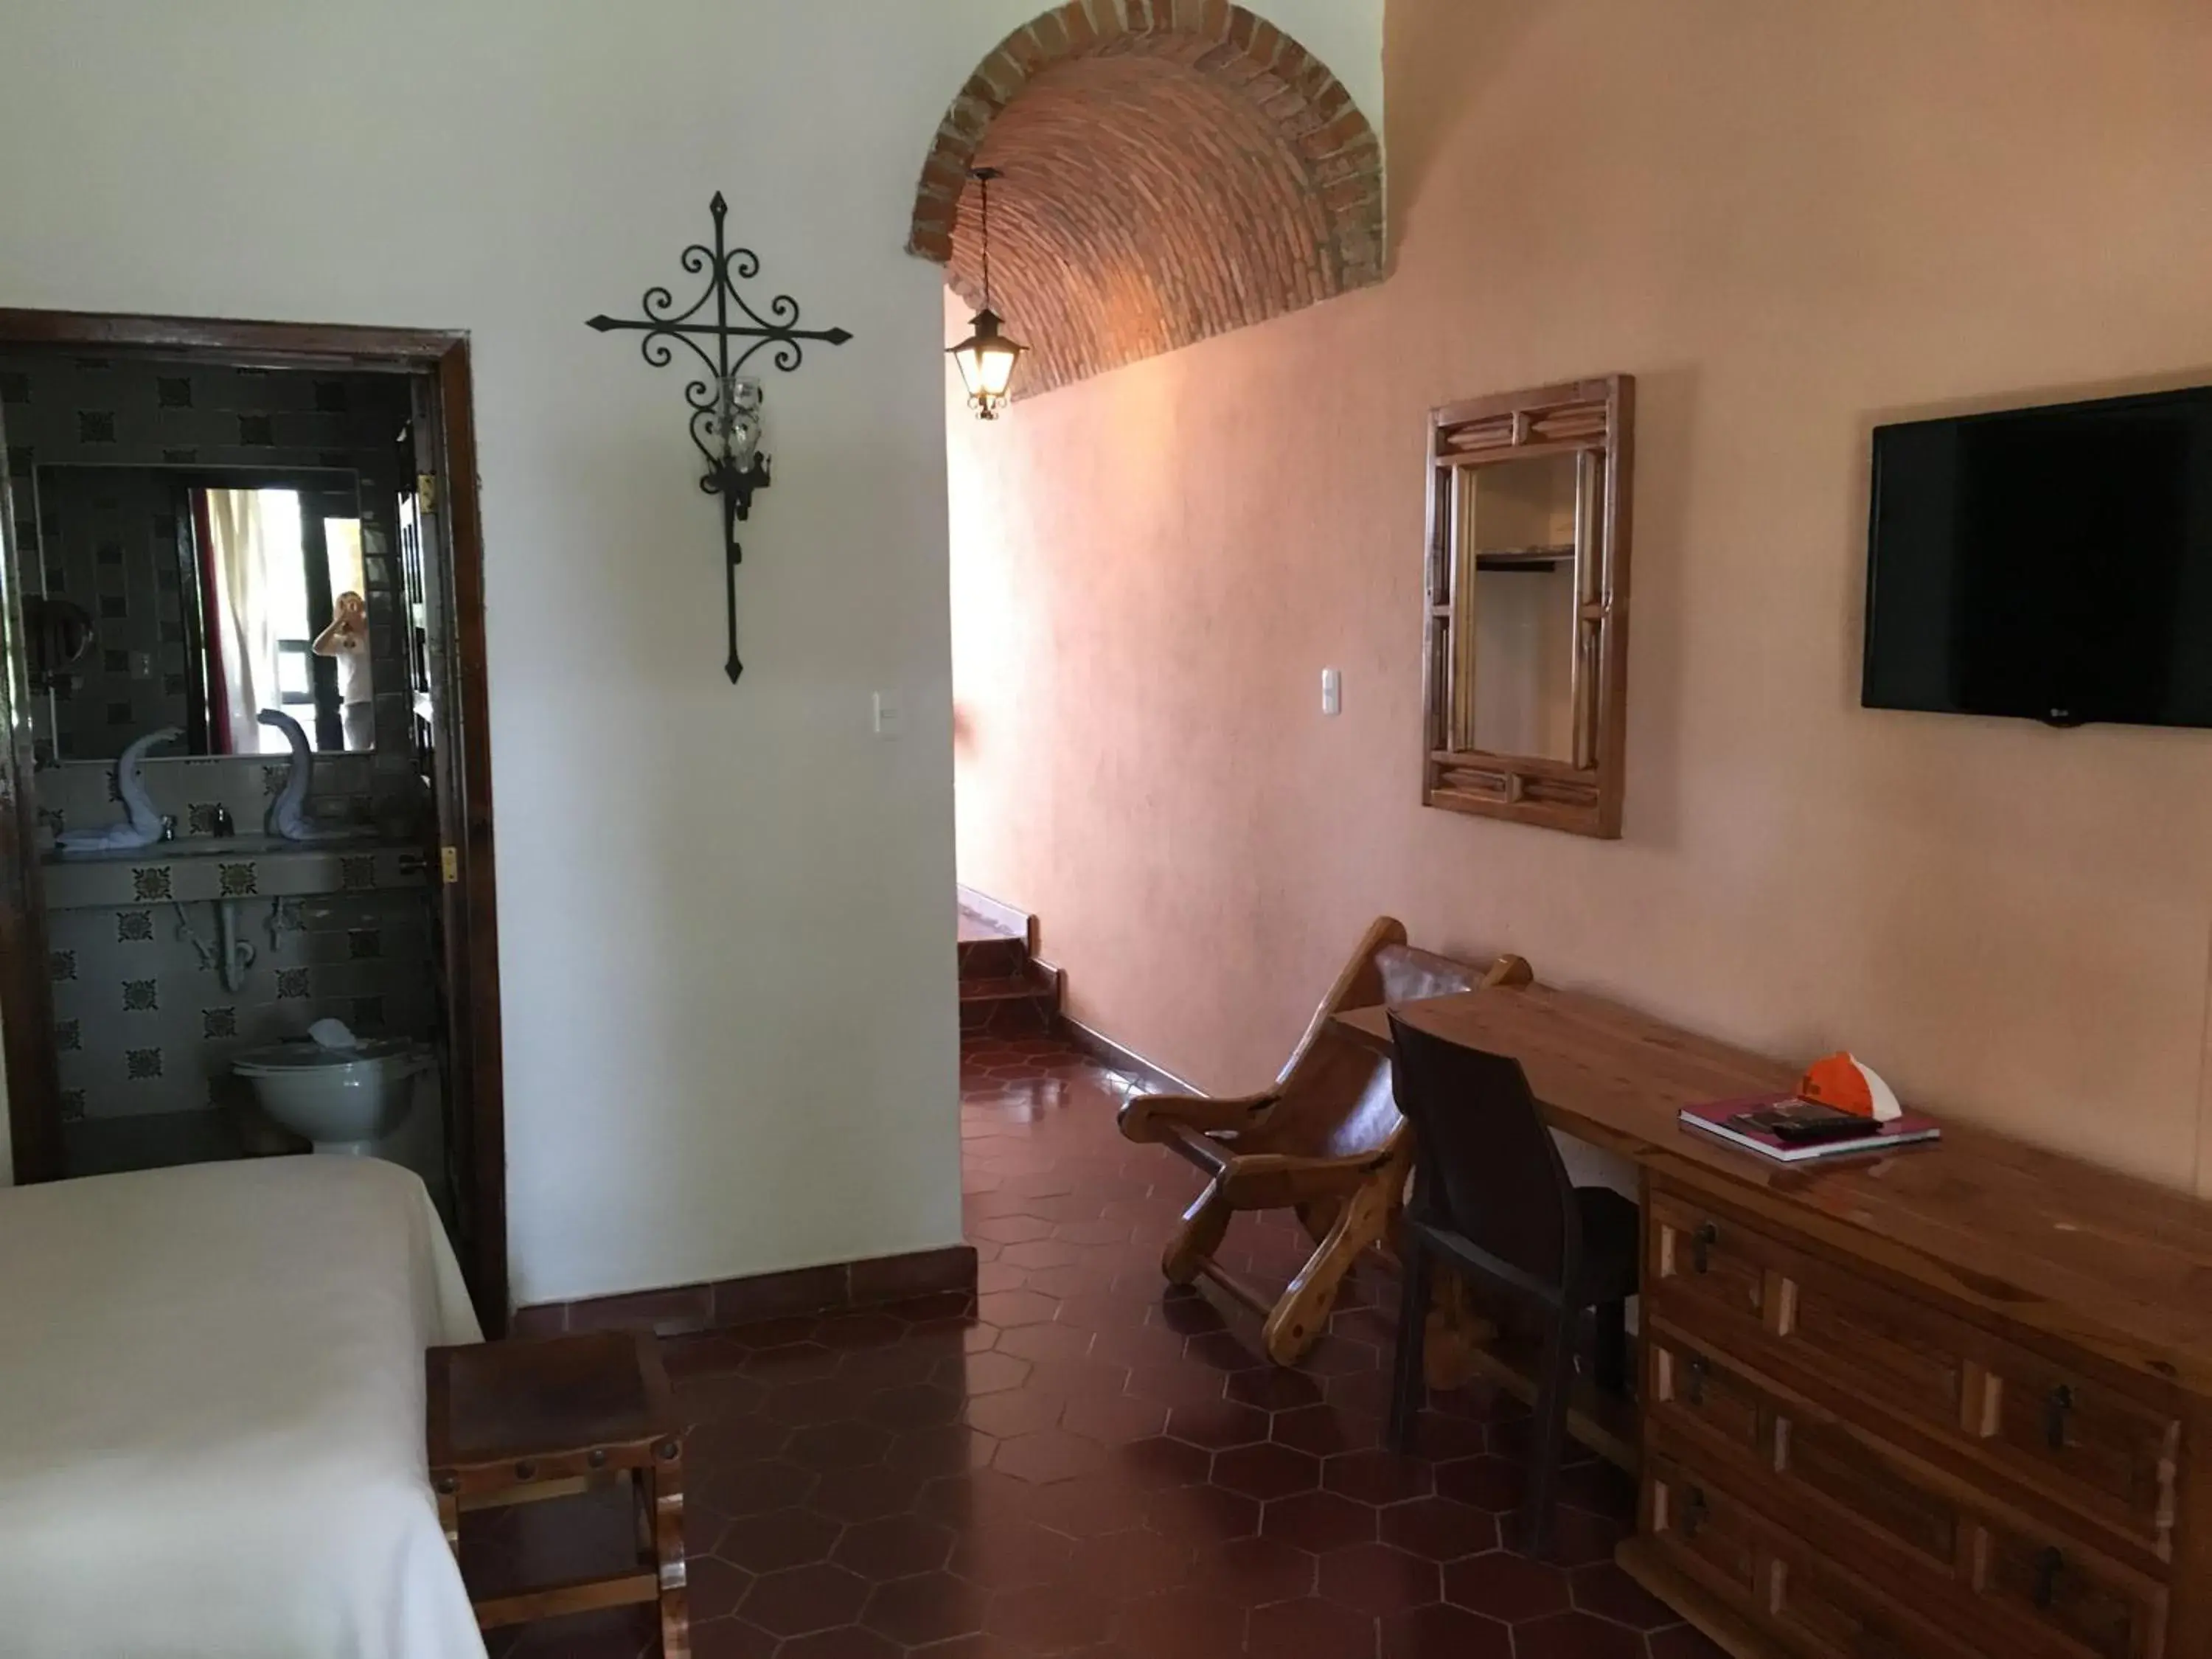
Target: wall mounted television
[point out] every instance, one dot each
(2053, 563)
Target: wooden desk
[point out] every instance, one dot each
(1953, 1402)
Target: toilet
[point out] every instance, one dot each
(344, 1100)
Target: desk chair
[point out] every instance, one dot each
(1326, 1141)
(1492, 1198)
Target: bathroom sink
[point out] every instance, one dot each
(226, 866)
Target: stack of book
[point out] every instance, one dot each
(1790, 1130)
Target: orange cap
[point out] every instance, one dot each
(1841, 1082)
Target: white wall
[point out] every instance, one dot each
(725, 915)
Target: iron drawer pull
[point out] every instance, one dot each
(1694, 1511)
(2048, 1566)
(2055, 1408)
(1696, 1389)
(1702, 1241)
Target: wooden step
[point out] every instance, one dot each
(1011, 1004)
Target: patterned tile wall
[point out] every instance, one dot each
(61, 410)
(142, 1026)
(381, 790)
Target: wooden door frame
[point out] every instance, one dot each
(472, 934)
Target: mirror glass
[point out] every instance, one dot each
(196, 597)
(1519, 553)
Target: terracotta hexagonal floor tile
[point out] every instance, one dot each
(1266, 1471)
(1441, 1528)
(1444, 1632)
(1378, 1579)
(1114, 1419)
(1045, 1341)
(1325, 1429)
(1188, 1623)
(718, 1638)
(779, 1539)
(975, 1374)
(1217, 1426)
(916, 1406)
(1681, 1642)
(1010, 1555)
(1050, 1618)
(716, 1586)
(1506, 1586)
(801, 1600)
(1009, 1309)
(1310, 1630)
(1048, 1455)
(1132, 1562)
(862, 1494)
(932, 1607)
(840, 1445)
(849, 1643)
(1576, 1635)
(896, 1546)
(1318, 1521)
(1378, 1477)
(1603, 1588)
(1495, 1484)
(1016, 1411)
(1258, 1570)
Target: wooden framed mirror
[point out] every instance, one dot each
(1526, 700)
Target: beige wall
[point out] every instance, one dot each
(1791, 222)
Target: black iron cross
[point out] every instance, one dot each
(724, 422)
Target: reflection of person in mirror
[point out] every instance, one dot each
(347, 639)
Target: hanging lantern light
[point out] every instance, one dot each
(986, 358)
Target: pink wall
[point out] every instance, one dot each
(1791, 222)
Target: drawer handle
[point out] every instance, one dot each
(2055, 1408)
(1702, 1241)
(2048, 1566)
(1694, 1511)
(1696, 1391)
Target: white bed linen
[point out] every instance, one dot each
(211, 1416)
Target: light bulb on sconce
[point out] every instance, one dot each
(987, 359)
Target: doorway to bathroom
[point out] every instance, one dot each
(246, 791)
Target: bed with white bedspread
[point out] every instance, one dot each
(211, 1416)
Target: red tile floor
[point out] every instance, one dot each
(1081, 1463)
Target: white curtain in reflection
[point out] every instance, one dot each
(255, 543)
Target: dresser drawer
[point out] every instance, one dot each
(1712, 1265)
(1834, 1614)
(1701, 1526)
(2088, 1605)
(1692, 1390)
(2108, 1454)
(2101, 1450)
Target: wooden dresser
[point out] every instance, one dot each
(1954, 1403)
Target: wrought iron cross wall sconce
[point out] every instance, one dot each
(725, 406)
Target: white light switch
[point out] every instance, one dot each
(890, 718)
(1331, 691)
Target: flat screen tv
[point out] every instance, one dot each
(2054, 563)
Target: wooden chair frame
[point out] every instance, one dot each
(1347, 1203)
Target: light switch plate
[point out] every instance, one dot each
(1331, 691)
(889, 717)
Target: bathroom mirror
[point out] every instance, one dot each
(195, 597)
(1527, 605)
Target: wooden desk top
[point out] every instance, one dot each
(2117, 1264)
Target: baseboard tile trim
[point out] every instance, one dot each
(1155, 1078)
(997, 911)
(683, 1309)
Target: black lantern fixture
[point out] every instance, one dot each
(986, 358)
(725, 404)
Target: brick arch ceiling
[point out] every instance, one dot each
(1174, 169)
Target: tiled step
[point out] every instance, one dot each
(1011, 1004)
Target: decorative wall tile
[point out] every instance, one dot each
(203, 816)
(238, 880)
(273, 781)
(69, 1036)
(142, 1065)
(72, 1105)
(133, 926)
(293, 983)
(150, 883)
(183, 457)
(364, 944)
(257, 431)
(141, 996)
(218, 1022)
(95, 425)
(357, 874)
(62, 964)
(173, 391)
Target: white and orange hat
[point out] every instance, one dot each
(1850, 1085)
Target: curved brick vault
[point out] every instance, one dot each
(1174, 169)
